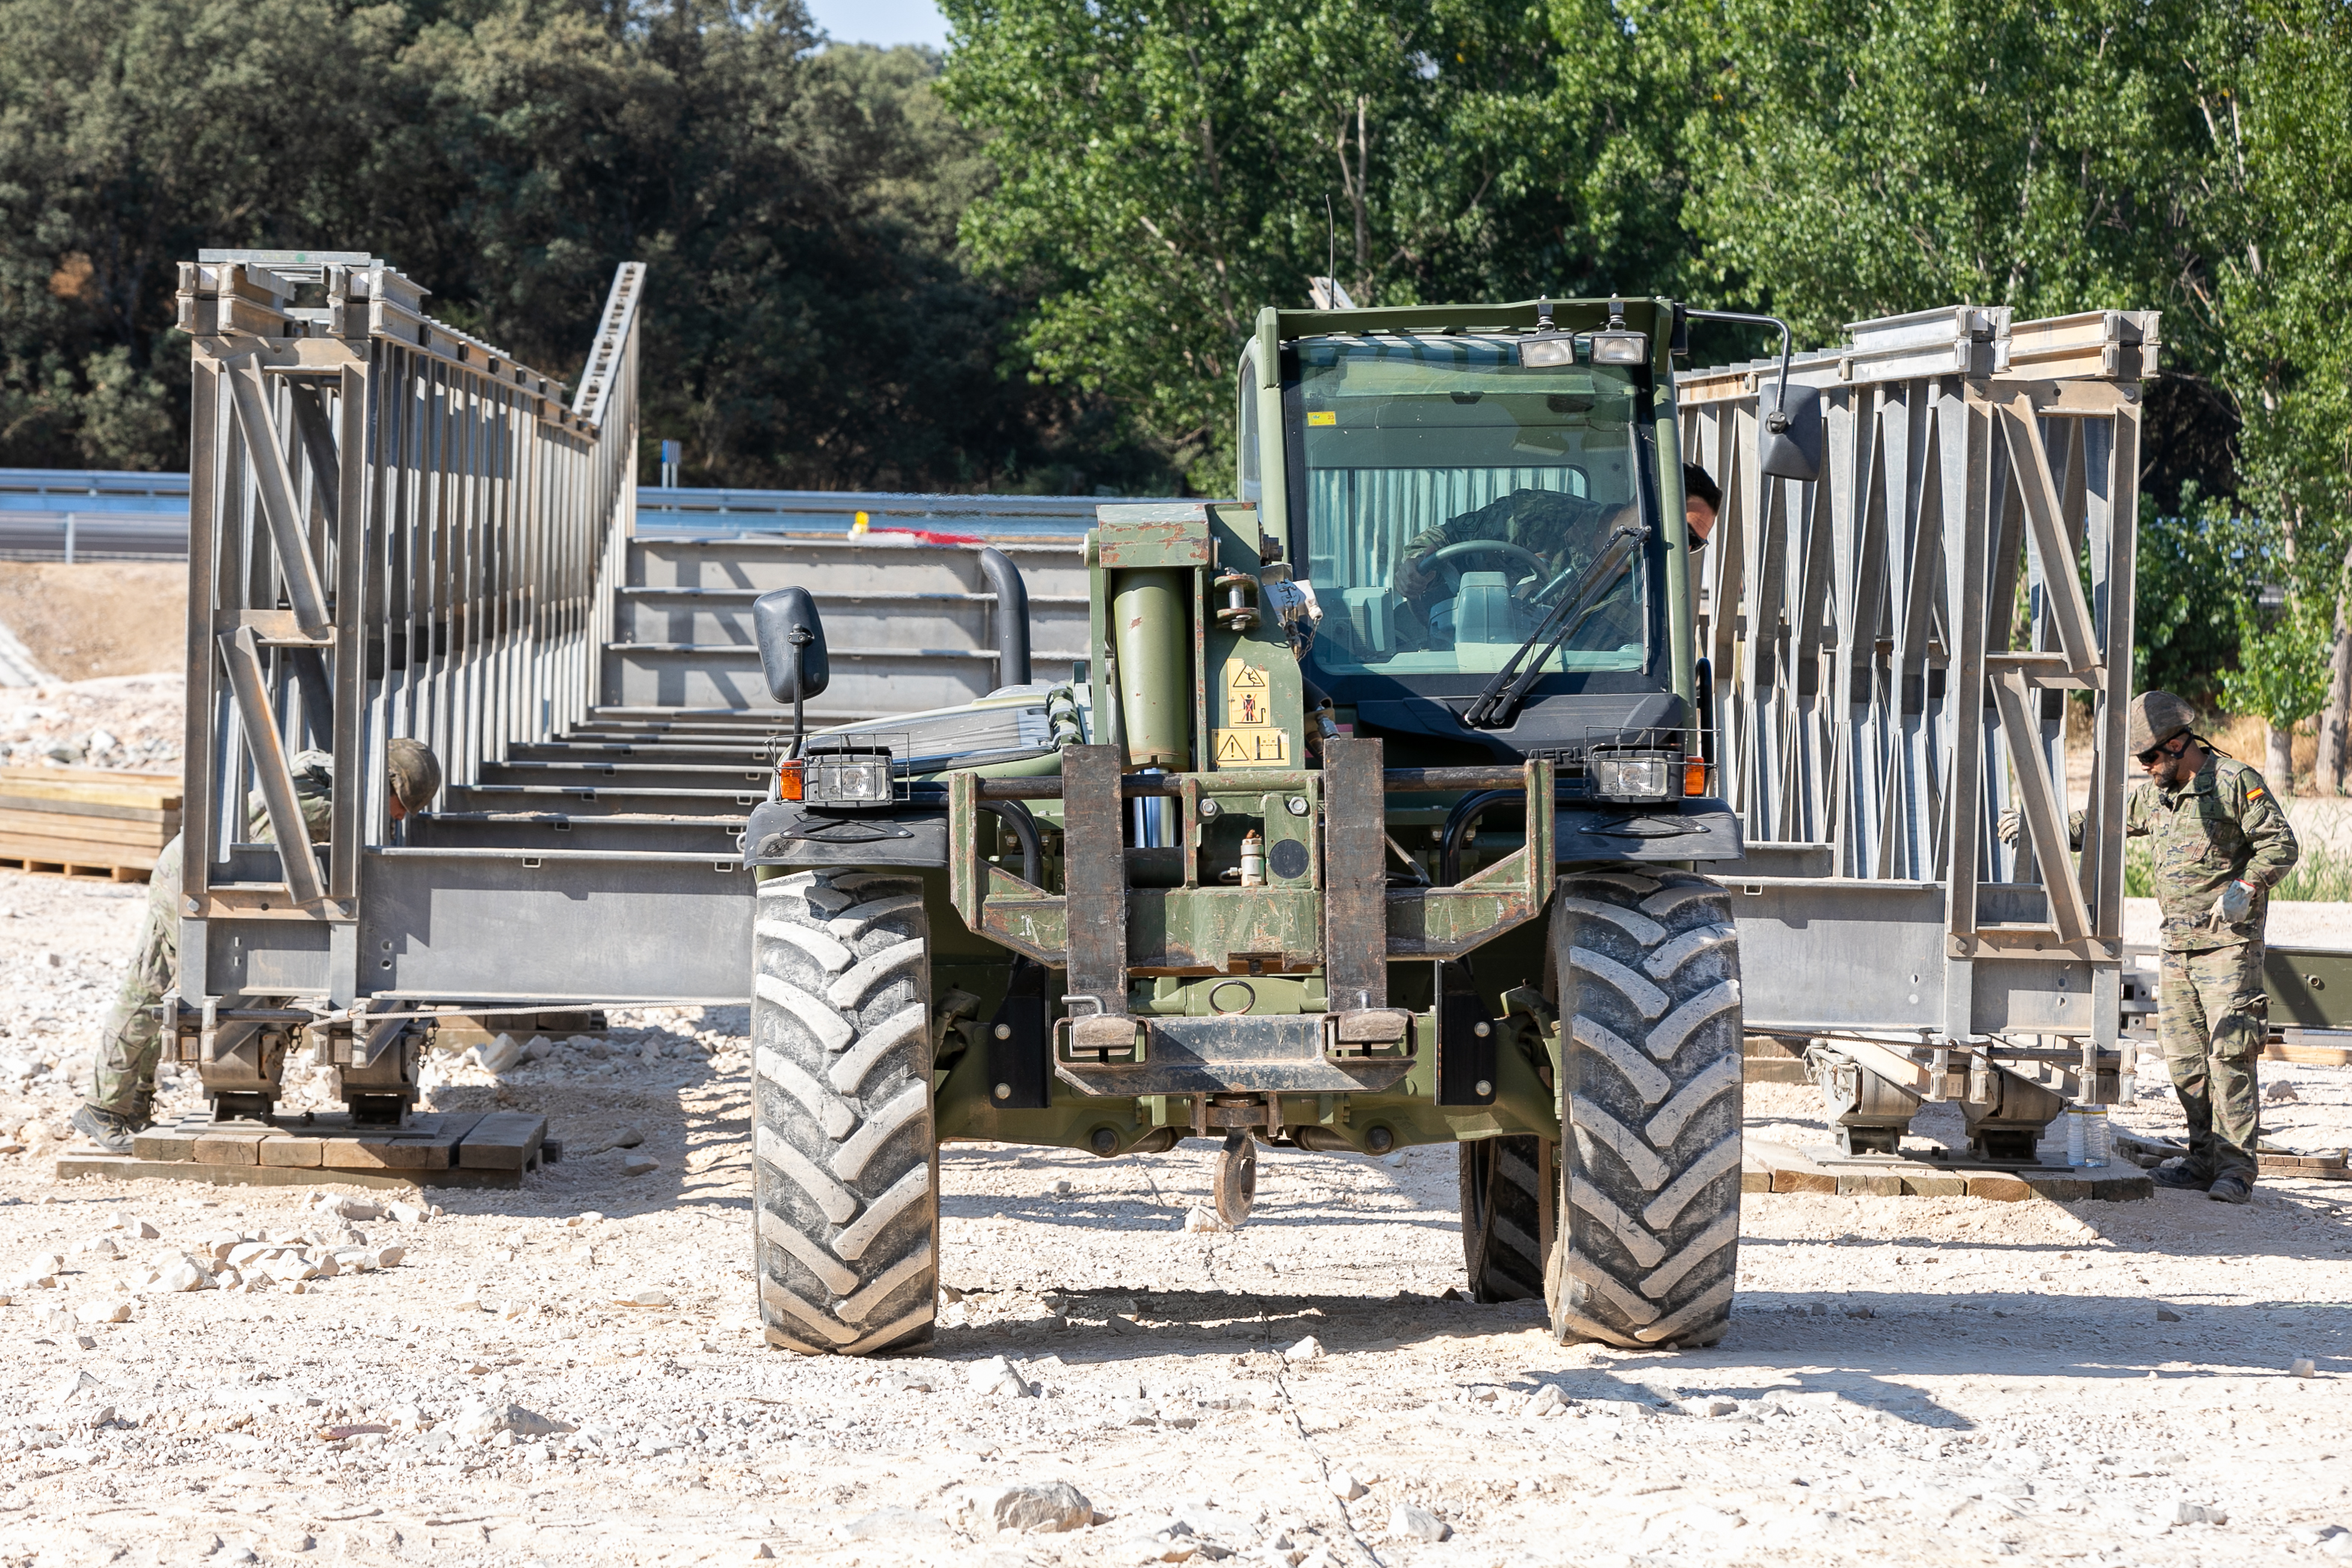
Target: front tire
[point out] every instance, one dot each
(1647, 966)
(845, 1157)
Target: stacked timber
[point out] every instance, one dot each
(88, 821)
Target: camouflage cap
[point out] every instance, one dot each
(415, 772)
(2156, 718)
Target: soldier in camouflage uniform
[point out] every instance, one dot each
(2221, 843)
(123, 1077)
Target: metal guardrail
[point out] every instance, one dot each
(1875, 718)
(62, 514)
(716, 513)
(72, 536)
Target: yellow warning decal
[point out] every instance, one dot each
(1322, 416)
(1250, 747)
(1250, 737)
(1245, 694)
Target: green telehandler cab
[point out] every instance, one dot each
(1369, 822)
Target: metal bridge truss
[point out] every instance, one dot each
(395, 529)
(1891, 649)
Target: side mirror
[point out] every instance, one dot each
(1788, 433)
(790, 637)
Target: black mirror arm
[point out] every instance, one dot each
(800, 637)
(1777, 421)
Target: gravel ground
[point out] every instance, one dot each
(574, 1373)
(113, 721)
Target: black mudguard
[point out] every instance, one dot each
(787, 833)
(1700, 828)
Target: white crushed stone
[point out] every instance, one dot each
(1978, 1408)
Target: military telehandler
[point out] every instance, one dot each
(1264, 868)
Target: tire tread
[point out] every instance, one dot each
(1646, 968)
(845, 1157)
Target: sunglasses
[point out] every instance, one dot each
(2172, 748)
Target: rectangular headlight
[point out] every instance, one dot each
(860, 780)
(1543, 354)
(1632, 778)
(1620, 348)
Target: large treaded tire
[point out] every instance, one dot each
(1647, 966)
(845, 1160)
(1506, 1217)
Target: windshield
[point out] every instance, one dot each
(1452, 498)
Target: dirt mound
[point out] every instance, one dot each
(97, 618)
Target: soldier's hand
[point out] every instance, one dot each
(2236, 903)
(2010, 827)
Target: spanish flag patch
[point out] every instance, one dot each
(2256, 793)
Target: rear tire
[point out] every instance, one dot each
(1507, 1215)
(1647, 966)
(845, 1160)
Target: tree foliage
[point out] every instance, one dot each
(811, 320)
(2282, 670)
(2187, 590)
(2289, 289)
(1859, 160)
(1166, 167)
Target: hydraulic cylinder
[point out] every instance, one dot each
(1148, 614)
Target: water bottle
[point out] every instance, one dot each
(2088, 1139)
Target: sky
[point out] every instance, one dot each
(881, 21)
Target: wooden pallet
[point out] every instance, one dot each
(1768, 1059)
(2329, 1166)
(66, 868)
(1767, 1165)
(446, 1149)
(2310, 1047)
(86, 822)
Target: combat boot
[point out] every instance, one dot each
(2177, 1173)
(108, 1130)
(2231, 1189)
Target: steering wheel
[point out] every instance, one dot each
(1533, 562)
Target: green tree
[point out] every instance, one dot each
(131, 134)
(1166, 167)
(811, 321)
(2280, 675)
(2185, 620)
(1852, 159)
(2288, 293)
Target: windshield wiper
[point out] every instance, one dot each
(1499, 702)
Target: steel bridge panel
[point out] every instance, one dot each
(2032, 996)
(265, 957)
(1840, 954)
(1876, 721)
(498, 926)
